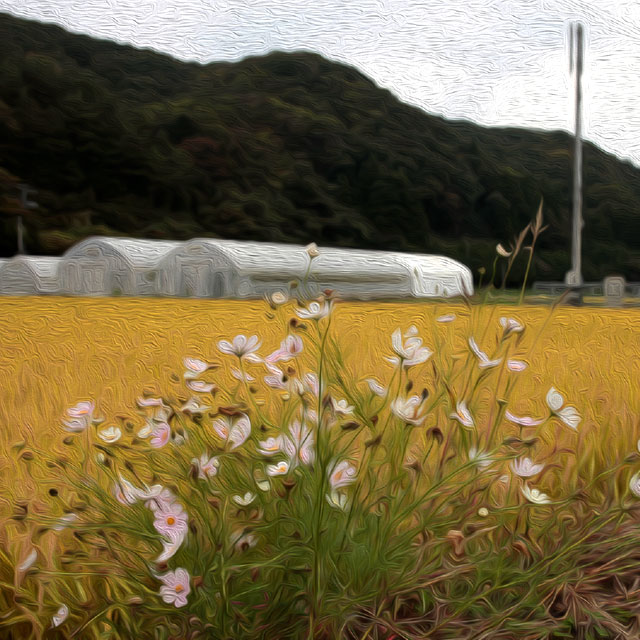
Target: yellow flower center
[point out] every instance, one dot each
(179, 588)
(171, 520)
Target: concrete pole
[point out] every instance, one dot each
(576, 43)
(577, 170)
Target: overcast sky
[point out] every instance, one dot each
(496, 62)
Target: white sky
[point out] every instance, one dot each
(496, 62)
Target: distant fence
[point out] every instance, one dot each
(631, 289)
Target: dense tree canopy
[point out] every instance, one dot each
(285, 147)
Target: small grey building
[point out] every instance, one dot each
(30, 276)
(102, 266)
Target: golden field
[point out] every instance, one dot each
(55, 352)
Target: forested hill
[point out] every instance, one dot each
(285, 147)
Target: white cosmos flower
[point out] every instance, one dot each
(376, 387)
(193, 405)
(245, 500)
(516, 365)
(409, 409)
(483, 358)
(147, 430)
(280, 469)
(234, 430)
(341, 408)
(28, 561)
(61, 615)
(341, 474)
(410, 351)
(243, 377)
(535, 496)
(207, 467)
(525, 421)
(199, 386)
(264, 484)
(270, 446)
(311, 383)
(279, 297)
(314, 311)
(242, 347)
(502, 251)
(510, 325)
(449, 317)
(483, 460)
(568, 415)
(312, 250)
(110, 434)
(65, 521)
(150, 402)
(634, 484)
(243, 540)
(463, 415)
(525, 468)
(337, 499)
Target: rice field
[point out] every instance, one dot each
(55, 352)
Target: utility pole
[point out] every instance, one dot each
(25, 203)
(576, 56)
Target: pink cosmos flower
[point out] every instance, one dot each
(290, 347)
(175, 587)
(171, 522)
(243, 377)
(81, 416)
(525, 468)
(195, 367)
(200, 386)
(276, 378)
(300, 446)
(160, 435)
(235, 430)
(341, 474)
(242, 347)
(270, 446)
(207, 467)
(516, 365)
(61, 615)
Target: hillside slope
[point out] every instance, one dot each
(282, 147)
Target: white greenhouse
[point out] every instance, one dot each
(30, 276)
(102, 266)
(212, 268)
